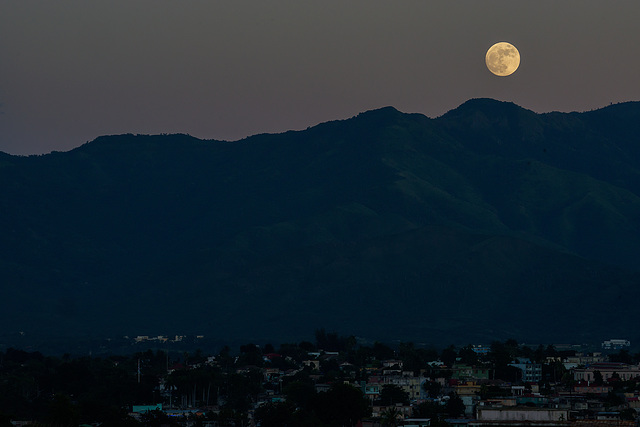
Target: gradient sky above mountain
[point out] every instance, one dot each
(72, 70)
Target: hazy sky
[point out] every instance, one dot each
(72, 70)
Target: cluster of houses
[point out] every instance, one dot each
(161, 338)
(583, 402)
(590, 391)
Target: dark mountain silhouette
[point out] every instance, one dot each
(486, 223)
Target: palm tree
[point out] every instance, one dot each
(390, 417)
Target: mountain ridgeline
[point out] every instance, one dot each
(489, 222)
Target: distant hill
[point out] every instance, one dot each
(489, 222)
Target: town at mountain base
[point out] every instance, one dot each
(334, 381)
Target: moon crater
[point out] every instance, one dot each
(502, 59)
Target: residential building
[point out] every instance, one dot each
(607, 370)
(616, 344)
(467, 372)
(522, 413)
(531, 372)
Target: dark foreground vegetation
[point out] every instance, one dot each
(325, 383)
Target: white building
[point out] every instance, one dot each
(616, 344)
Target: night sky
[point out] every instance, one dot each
(74, 70)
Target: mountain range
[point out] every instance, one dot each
(489, 222)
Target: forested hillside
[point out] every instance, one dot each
(489, 222)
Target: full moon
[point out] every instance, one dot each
(502, 59)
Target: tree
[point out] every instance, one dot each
(539, 354)
(390, 416)
(62, 412)
(224, 358)
(526, 352)
(331, 341)
(195, 386)
(331, 369)
(276, 414)
(597, 378)
(241, 389)
(613, 399)
(449, 355)
(455, 407)
(5, 421)
(250, 354)
(567, 380)
(415, 359)
(622, 357)
(294, 351)
(428, 410)
(432, 388)
(508, 373)
(342, 404)
(157, 418)
(628, 414)
(501, 354)
(362, 356)
(468, 356)
(382, 351)
(300, 393)
(553, 371)
(392, 394)
(551, 351)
